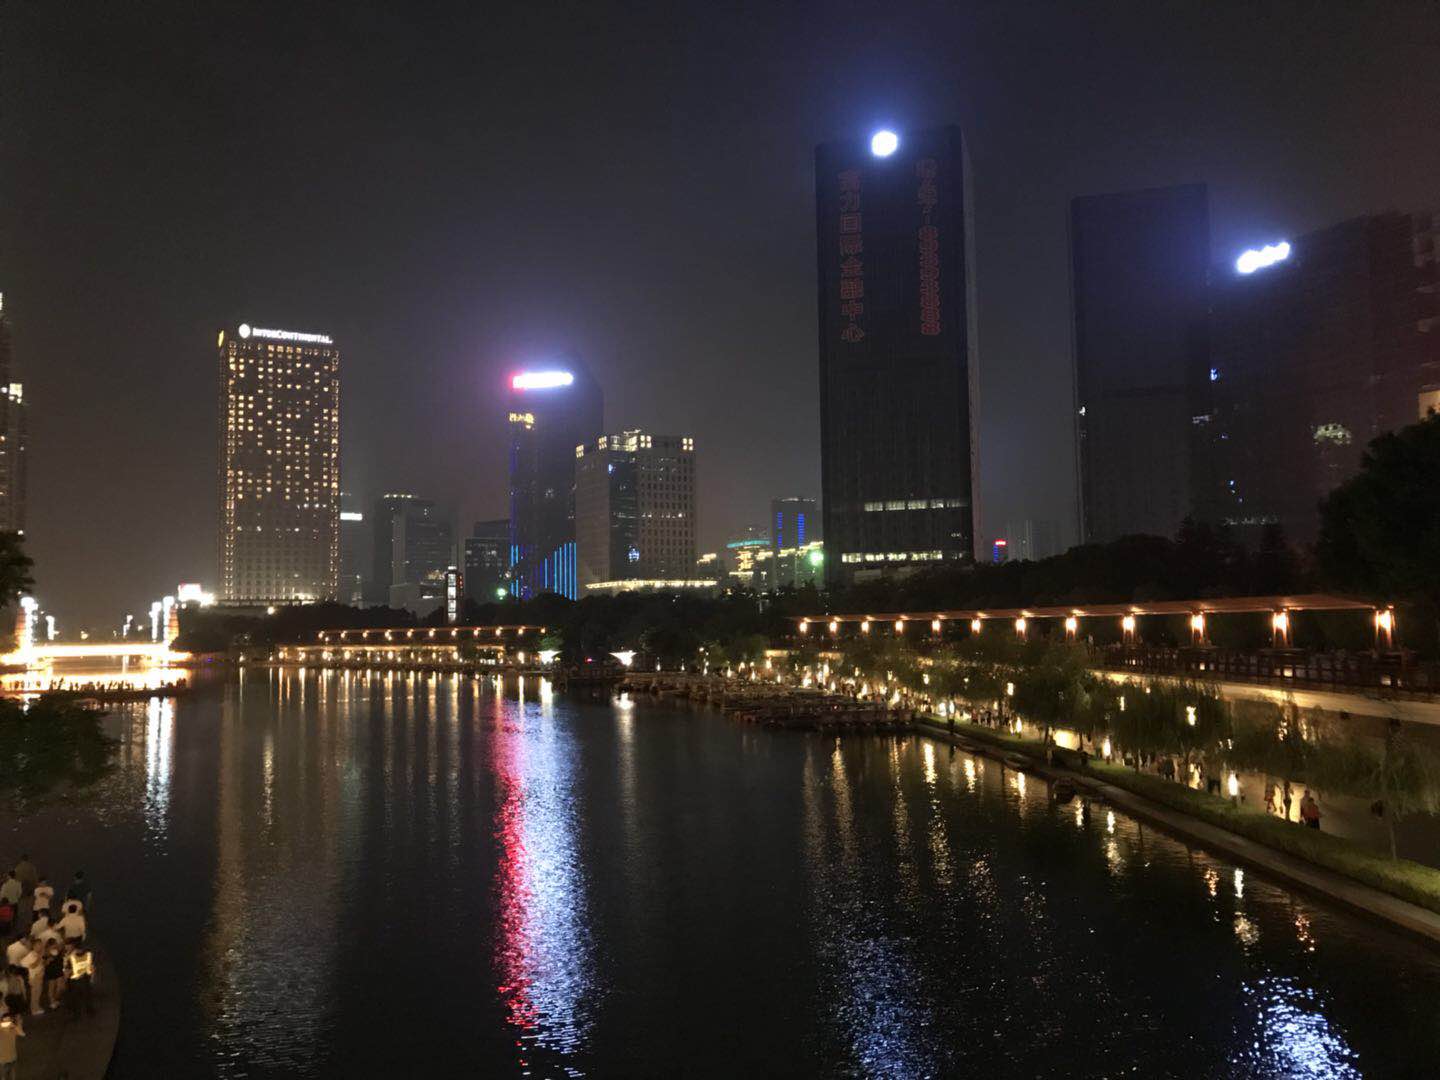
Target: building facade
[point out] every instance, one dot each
(414, 546)
(355, 555)
(1315, 352)
(13, 434)
(1031, 539)
(279, 466)
(898, 364)
(794, 522)
(487, 561)
(634, 509)
(1139, 290)
(552, 411)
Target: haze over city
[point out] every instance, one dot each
(456, 192)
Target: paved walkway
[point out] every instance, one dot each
(1298, 873)
(61, 1046)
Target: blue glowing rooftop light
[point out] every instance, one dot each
(1269, 255)
(884, 143)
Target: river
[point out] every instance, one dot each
(351, 875)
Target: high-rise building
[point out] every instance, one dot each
(898, 364)
(279, 466)
(382, 541)
(1031, 539)
(414, 546)
(13, 434)
(354, 550)
(1139, 269)
(487, 561)
(1320, 343)
(794, 522)
(635, 508)
(552, 411)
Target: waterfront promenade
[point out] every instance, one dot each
(60, 1046)
(1296, 872)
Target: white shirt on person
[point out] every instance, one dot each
(72, 926)
(43, 895)
(16, 950)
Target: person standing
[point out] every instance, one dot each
(17, 989)
(11, 890)
(44, 893)
(34, 965)
(79, 979)
(54, 974)
(16, 950)
(72, 923)
(1309, 810)
(28, 875)
(12, 1029)
(80, 889)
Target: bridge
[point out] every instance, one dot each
(44, 652)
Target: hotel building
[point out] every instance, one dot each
(279, 466)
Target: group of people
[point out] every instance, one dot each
(1278, 801)
(104, 686)
(48, 964)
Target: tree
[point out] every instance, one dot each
(1380, 530)
(51, 745)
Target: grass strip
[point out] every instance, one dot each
(1403, 878)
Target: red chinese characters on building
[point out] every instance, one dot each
(852, 270)
(927, 239)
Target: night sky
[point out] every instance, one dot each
(453, 190)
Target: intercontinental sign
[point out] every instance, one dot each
(247, 331)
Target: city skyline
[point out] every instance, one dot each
(707, 322)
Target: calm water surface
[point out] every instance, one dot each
(348, 876)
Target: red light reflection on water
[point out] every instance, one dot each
(543, 952)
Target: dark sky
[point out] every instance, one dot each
(452, 189)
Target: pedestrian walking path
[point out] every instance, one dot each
(60, 1044)
(61, 991)
(1296, 872)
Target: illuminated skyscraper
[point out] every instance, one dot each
(794, 522)
(12, 435)
(898, 367)
(279, 466)
(1319, 344)
(354, 549)
(635, 509)
(552, 411)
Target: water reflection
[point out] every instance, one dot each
(62, 675)
(871, 985)
(159, 746)
(543, 953)
(1292, 1036)
(648, 891)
